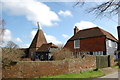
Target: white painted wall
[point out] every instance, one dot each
(111, 47)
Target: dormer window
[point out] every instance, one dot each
(76, 44)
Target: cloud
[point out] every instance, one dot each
(65, 36)
(7, 35)
(18, 40)
(65, 13)
(33, 34)
(33, 10)
(52, 39)
(24, 45)
(27, 45)
(49, 38)
(85, 24)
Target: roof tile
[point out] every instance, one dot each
(92, 32)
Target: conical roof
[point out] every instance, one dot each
(38, 40)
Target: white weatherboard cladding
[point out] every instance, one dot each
(111, 47)
(52, 49)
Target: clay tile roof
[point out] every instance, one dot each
(108, 35)
(46, 47)
(38, 40)
(92, 32)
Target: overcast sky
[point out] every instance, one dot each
(57, 20)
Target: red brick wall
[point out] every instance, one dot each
(30, 69)
(86, 63)
(88, 44)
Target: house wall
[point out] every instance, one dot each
(111, 47)
(53, 49)
(32, 50)
(42, 55)
(88, 44)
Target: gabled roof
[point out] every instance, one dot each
(92, 32)
(38, 40)
(46, 47)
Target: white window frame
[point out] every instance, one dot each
(77, 44)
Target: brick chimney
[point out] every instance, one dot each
(75, 30)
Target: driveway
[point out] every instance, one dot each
(112, 75)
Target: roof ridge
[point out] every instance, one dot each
(102, 30)
(92, 32)
(89, 28)
(34, 39)
(37, 37)
(106, 32)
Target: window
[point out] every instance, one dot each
(101, 52)
(76, 43)
(96, 53)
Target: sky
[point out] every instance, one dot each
(57, 20)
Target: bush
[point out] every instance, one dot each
(10, 55)
(62, 54)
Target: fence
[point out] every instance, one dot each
(104, 61)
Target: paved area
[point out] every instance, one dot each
(112, 75)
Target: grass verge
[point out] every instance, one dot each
(116, 67)
(88, 74)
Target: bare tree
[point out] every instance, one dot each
(62, 54)
(11, 53)
(11, 45)
(109, 7)
(60, 46)
(2, 23)
(10, 56)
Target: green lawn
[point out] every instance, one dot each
(89, 74)
(115, 67)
